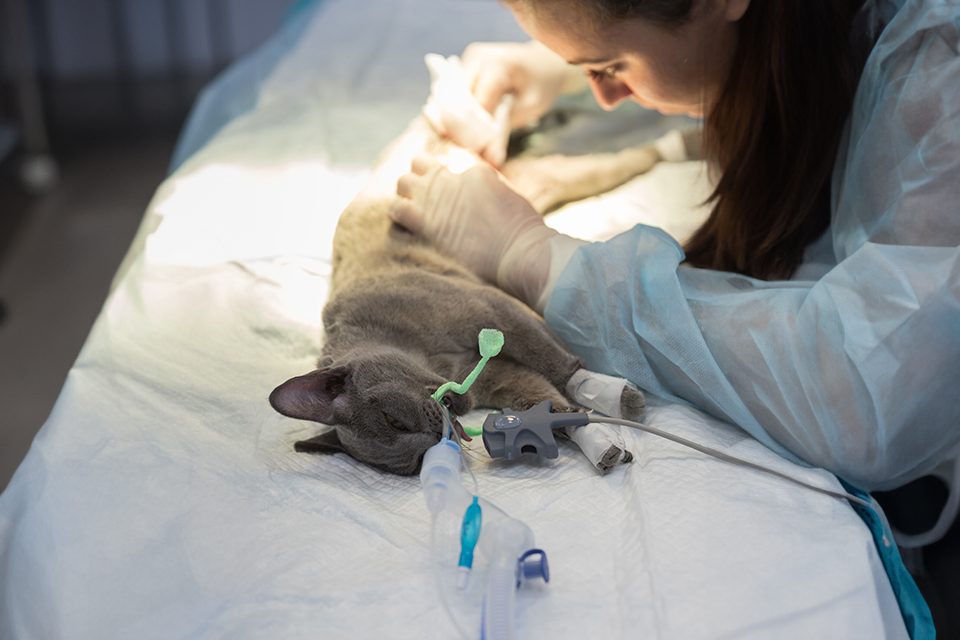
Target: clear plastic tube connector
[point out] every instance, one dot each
(508, 540)
(439, 474)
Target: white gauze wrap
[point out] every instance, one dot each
(602, 444)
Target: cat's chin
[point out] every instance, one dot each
(405, 455)
(401, 471)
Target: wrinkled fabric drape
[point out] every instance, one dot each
(852, 365)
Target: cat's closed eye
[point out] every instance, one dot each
(395, 423)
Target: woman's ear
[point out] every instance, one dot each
(733, 10)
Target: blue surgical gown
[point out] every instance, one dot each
(854, 364)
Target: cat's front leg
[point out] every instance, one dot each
(609, 395)
(507, 384)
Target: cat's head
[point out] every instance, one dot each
(380, 406)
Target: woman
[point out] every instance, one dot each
(819, 305)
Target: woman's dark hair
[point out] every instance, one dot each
(772, 132)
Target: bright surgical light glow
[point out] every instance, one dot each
(290, 209)
(458, 160)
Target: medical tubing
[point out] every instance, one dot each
(947, 515)
(440, 477)
(443, 490)
(444, 600)
(499, 603)
(447, 423)
(737, 461)
(439, 578)
(510, 539)
(461, 387)
(490, 342)
(447, 432)
(476, 486)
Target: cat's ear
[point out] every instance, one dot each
(326, 442)
(311, 396)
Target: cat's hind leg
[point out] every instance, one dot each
(551, 181)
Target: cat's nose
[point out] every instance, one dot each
(433, 416)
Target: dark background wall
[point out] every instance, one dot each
(92, 96)
(128, 64)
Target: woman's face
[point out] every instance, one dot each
(675, 70)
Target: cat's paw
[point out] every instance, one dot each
(613, 456)
(602, 445)
(632, 402)
(605, 394)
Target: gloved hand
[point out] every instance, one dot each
(477, 218)
(453, 111)
(535, 75)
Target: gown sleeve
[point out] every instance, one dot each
(856, 371)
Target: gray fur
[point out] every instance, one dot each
(401, 320)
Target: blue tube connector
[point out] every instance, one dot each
(469, 534)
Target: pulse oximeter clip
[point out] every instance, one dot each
(511, 434)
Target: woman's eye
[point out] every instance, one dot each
(607, 73)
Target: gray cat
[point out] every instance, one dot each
(402, 319)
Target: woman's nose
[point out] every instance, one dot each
(610, 92)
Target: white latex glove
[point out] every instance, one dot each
(454, 112)
(478, 219)
(535, 75)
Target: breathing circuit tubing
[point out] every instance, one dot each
(444, 492)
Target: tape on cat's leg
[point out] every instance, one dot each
(602, 444)
(600, 392)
